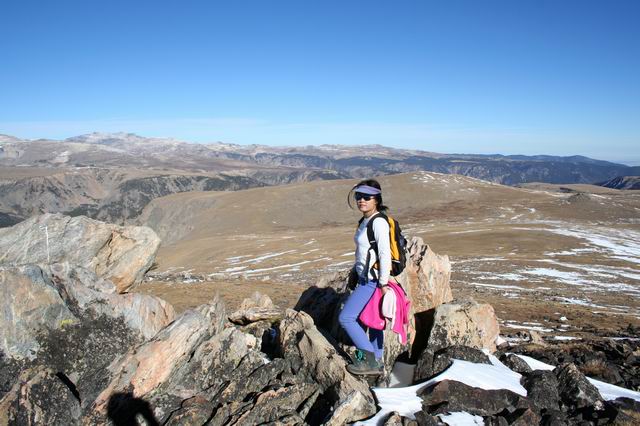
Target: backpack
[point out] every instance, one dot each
(397, 242)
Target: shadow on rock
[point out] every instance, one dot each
(123, 409)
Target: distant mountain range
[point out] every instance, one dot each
(126, 150)
(112, 177)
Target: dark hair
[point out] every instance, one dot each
(369, 182)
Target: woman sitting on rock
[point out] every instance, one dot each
(368, 196)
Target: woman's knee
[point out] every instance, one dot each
(345, 318)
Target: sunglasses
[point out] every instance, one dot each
(366, 197)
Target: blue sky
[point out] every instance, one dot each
(527, 77)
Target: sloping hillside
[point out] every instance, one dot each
(623, 182)
(537, 255)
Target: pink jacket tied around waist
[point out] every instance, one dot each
(372, 315)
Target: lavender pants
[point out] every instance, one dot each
(349, 319)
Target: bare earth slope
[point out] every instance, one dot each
(559, 262)
(111, 195)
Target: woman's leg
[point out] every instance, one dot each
(376, 337)
(350, 313)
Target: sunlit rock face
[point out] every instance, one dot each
(121, 254)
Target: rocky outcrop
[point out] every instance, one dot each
(119, 254)
(426, 277)
(77, 352)
(258, 307)
(612, 361)
(155, 371)
(38, 300)
(62, 326)
(311, 350)
(464, 322)
(575, 390)
(559, 397)
(200, 367)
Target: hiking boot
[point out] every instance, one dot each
(365, 364)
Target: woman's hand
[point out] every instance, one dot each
(385, 289)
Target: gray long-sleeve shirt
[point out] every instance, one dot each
(381, 233)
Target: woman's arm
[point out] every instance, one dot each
(381, 234)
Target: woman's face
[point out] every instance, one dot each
(366, 203)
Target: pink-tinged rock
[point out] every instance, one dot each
(38, 299)
(145, 368)
(143, 313)
(426, 277)
(29, 303)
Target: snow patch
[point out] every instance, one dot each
(461, 418)
(405, 401)
(501, 287)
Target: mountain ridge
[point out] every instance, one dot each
(148, 168)
(121, 138)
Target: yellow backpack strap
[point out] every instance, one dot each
(395, 249)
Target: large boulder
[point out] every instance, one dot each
(542, 389)
(86, 292)
(426, 277)
(433, 363)
(37, 300)
(426, 281)
(515, 363)
(464, 322)
(451, 396)
(576, 392)
(121, 254)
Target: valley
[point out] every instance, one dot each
(561, 263)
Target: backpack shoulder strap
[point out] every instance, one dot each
(370, 234)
